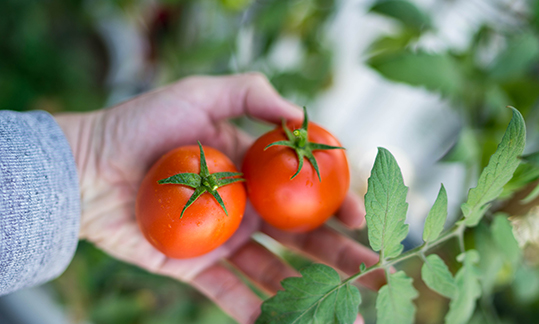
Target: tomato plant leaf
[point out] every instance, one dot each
(532, 158)
(462, 306)
(437, 277)
(436, 72)
(498, 172)
(192, 180)
(434, 224)
(404, 11)
(502, 233)
(394, 303)
(385, 203)
(316, 297)
(531, 196)
(520, 55)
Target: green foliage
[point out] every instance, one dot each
(385, 203)
(100, 289)
(532, 158)
(521, 53)
(437, 277)
(394, 303)
(468, 289)
(437, 72)
(404, 11)
(317, 297)
(434, 224)
(502, 233)
(466, 150)
(498, 172)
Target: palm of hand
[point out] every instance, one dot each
(114, 148)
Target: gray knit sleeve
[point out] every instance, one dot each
(39, 200)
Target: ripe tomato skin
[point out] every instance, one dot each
(303, 203)
(204, 225)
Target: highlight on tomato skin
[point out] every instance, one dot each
(204, 224)
(306, 201)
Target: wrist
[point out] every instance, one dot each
(80, 130)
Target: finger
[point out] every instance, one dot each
(328, 246)
(359, 319)
(230, 140)
(264, 268)
(352, 211)
(235, 95)
(225, 289)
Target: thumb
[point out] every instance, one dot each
(231, 96)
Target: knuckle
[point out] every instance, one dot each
(256, 77)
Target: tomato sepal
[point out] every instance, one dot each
(299, 142)
(203, 182)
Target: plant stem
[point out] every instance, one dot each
(456, 231)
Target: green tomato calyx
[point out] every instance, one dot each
(298, 140)
(203, 182)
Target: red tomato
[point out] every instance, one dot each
(204, 225)
(303, 203)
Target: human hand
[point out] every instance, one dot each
(115, 147)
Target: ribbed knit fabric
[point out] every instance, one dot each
(39, 200)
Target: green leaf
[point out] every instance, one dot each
(531, 196)
(521, 53)
(502, 233)
(385, 203)
(524, 175)
(465, 150)
(434, 224)
(532, 158)
(394, 303)
(491, 264)
(498, 172)
(316, 297)
(405, 12)
(437, 277)
(462, 306)
(436, 72)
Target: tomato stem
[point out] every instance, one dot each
(298, 140)
(203, 182)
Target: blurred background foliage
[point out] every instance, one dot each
(59, 56)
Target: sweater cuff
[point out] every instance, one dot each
(39, 200)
